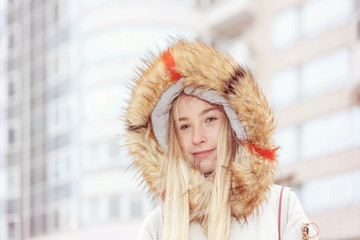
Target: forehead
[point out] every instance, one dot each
(192, 104)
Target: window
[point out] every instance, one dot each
(11, 89)
(35, 200)
(311, 79)
(11, 230)
(2, 161)
(44, 225)
(321, 135)
(104, 154)
(288, 140)
(136, 206)
(12, 64)
(285, 87)
(35, 225)
(123, 154)
(94, 156)
(62, 192)
(316, 77)
(2, 207)
(355, 120)
(11, 17)
(58, 165)
(3, 187)
(334, 192)
(35, 176)
(113, 149)
(315, 195)
(355, 183)
(56, 220)
(3, 98)
(11, 136)
(11, 40)
(304, 21)
(13, 181)
(285, 28)
(339, 191)
(12, 111)
(333, 12)
(56, 13)
(65, 191)
(114, 207)
(60, 141)
(12, 159)
(95, 210)
(12, 206)
(58, 116)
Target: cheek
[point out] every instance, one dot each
(185, 142)
(215, 132)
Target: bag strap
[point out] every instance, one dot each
(279, 212)
(283, 210)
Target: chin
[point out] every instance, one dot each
(207, 170)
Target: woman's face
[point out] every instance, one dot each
(199, 126)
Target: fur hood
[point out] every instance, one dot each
(202, 66)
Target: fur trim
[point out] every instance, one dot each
(205, 67)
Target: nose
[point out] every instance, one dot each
(199, 136)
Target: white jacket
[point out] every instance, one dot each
(263, 224)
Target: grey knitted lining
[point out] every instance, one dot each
(160, 114)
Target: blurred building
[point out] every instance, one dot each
(41, 170)
(63, 70)
(306, 54)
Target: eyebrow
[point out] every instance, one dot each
(202, 113)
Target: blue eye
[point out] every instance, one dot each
(184, 127)
(210, 119)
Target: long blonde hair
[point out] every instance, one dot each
(176, 203)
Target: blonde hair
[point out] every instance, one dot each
(217, 218)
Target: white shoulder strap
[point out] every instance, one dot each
(283, 209)
(160, 223)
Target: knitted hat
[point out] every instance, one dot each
(201, 70)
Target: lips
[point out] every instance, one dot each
(202, 154)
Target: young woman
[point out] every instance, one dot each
(200, 132)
